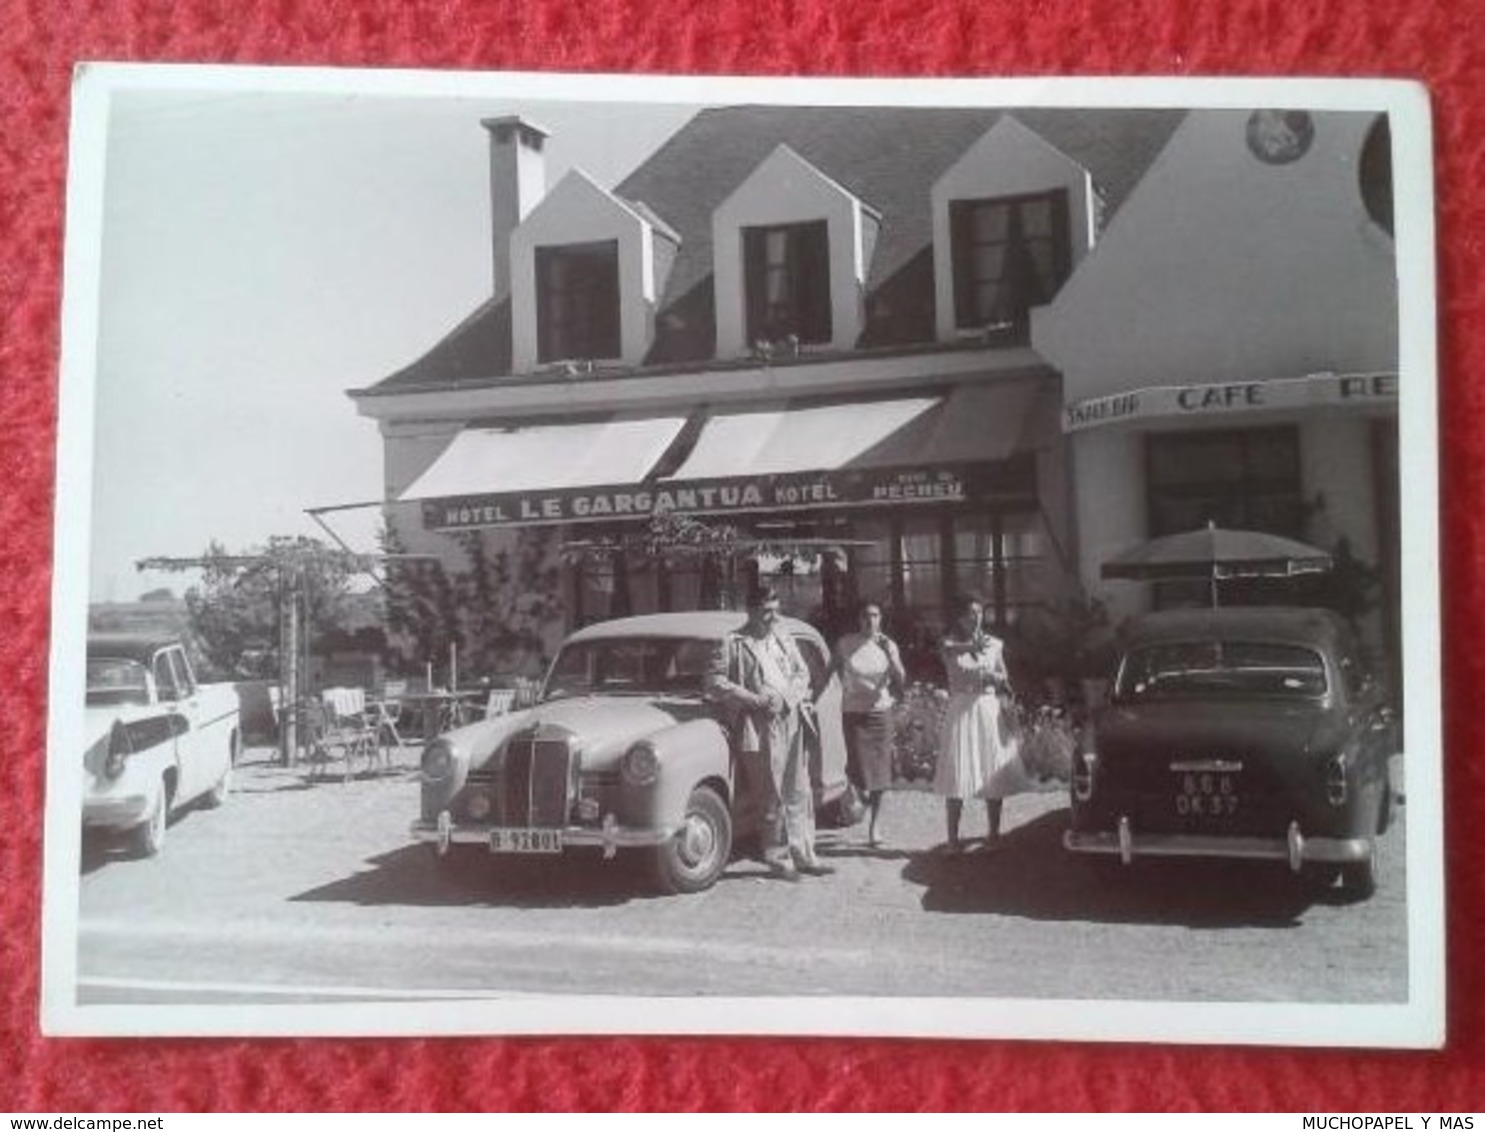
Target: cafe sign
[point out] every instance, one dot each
(1167, 402)
(733, 495)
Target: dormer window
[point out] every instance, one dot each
(577, 301)
(1009, 254)
(787, 282)
(791, 248)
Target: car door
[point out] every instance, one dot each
(1370, 719)
(163, 732)
(829, 771)
(191, 755)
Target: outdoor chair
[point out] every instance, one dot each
(500, 702)
(317, 744)
(383, 716)
(347, 730)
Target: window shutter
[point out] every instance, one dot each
(606, 331)
(961, 227)
(1061, 241)
(1021, 286)
(812, 282)
(543, 304)
(755, 294)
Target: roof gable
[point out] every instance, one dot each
(576, 193)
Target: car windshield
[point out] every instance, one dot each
(116, 680)
(1220, 670)
(646, 666)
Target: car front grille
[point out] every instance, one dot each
(533, 789)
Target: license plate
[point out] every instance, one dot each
(525, 841)
(1206, 794)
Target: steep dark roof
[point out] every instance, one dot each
(889, 157)
(479, 348)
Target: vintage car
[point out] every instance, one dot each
(157, 738)
(1243, 732)
(621, 751)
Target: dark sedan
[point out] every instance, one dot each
(1245, 732)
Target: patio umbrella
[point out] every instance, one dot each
(1214, 553)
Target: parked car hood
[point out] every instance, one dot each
(604, 726)
(1271, 728)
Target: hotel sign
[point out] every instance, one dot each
(1231, 398)
(735, 495)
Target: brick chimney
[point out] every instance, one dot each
(518, 181)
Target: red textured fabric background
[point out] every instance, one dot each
(40, 40)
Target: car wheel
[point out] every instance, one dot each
(1319, 877)
(1384, 813)
(149, 838)
(1359, 878)
(694, 858)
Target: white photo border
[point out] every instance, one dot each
(1418, 1022)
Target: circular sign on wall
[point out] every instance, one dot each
(1278, 137)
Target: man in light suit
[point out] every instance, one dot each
(763, 682)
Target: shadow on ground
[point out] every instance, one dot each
(1033, 876)
(414, 876)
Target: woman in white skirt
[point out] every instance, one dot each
(973, 755)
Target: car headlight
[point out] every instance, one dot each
(438, 761)
(641, 766)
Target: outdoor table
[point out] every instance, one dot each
(441, 710)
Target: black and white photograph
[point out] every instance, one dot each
(558, 554)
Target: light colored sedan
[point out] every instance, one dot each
(621, 751)
(158, 739)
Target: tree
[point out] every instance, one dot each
(419, 605)
(507, 599)
(235, 610)
(496, 611)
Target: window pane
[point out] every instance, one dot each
(988, 261)
(787, 282)
(1243, 480)
(871, 565)
(164, 678)
(1036, 217)
(577, 312)
(1273, 456)
(685, 584)
(1044, 265)
(182, 673)
(989, 223)
(1008, 255)
(776, 247)
(922, 581)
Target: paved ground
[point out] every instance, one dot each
(299, 890)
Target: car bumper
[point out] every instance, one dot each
(444, 834)
(1295, 847)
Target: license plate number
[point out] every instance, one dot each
(525, 841)
(1206, 794)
